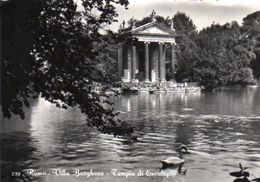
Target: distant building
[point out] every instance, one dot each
(145, 52)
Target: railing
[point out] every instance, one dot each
(160, 84)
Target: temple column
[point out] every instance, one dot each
(137, 60)
(173, 61)
(127, 72)
(146, 44)
(162, 62)
(133, 62)
(154, 64)
(120, 61)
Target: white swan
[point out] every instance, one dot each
(175, 161)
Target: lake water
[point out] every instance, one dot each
(220, 129)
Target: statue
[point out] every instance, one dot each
(153, 15)
(172, 25)
(132, 20)
(123, 24)
(120, 28)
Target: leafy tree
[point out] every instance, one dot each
(107, 56)
(49, 49)
(187, 50)
(225, 56)
(183, 24)
(18, 63)
(187, 55)
(217, 55)
(251, 27)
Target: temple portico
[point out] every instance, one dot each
(143, 56)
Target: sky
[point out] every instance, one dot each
(202, 12)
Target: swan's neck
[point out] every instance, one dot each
(181, 155)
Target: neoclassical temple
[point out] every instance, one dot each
(142, 57)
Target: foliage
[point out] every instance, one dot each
(187, 55)
(49, 49)
(183, 24)
(107, 57)
(19, 22)
(228, 55)
(217, 55)
(251, 27)
(186, 50)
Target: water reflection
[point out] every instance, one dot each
(221, 129)
(17, 154)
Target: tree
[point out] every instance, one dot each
(187, 50)
(183, 24)
(217, 55)
(49, 49)
(251, 27)
(107, 56)
(225, 56)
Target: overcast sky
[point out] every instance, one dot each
(202, 12)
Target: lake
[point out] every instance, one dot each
(221, 129)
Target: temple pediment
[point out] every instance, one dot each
(153, 28)
(151, 32)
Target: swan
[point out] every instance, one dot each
(241, 173)
(175, 161)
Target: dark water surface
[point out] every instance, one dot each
(220, 129)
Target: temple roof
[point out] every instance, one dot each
(152, 28)
(150, 32)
